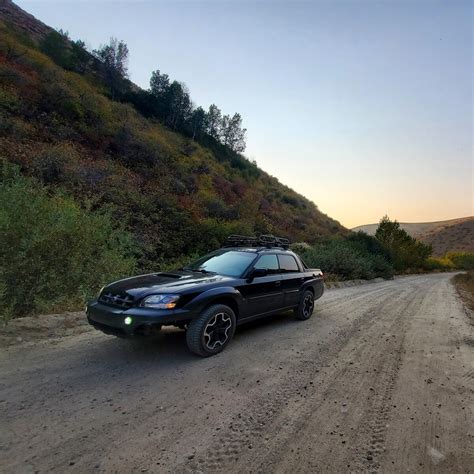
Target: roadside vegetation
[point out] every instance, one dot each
(357, 256)
(54, 254)
(451, 261)
(391, 251)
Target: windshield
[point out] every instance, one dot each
(229, 263)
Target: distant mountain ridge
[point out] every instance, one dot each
(455, 235)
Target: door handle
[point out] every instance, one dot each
(278, 283)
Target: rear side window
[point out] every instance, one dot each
(268, 262)
(288, 264)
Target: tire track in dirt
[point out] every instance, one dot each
(379, 413)
(367, 439)
(245, 429)
(319, 396)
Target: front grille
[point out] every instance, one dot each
(119, 300)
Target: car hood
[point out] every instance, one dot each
(164, 282)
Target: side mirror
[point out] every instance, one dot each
(258, 272)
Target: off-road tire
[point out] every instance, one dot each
(202, 339)
(306, 307)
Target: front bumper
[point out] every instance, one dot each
(111, 320)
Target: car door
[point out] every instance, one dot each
(291, 279)
(264, 293)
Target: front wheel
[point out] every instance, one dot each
(306, 307)
(211, 331)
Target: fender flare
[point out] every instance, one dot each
(203, 299)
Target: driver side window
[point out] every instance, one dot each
(268, 262)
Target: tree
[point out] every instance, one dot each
(198, 119)
(387, 232)
(55, 45)
(80, 57)
(159, 83)
(213, 122)
(178, 104)
(114, 57)
(159, 91)
(405, 251)
(232, 133)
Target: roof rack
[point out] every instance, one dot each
(266, 240)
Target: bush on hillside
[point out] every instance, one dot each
(451, 261)
(53, 254)
(461, 260)
(406, 253)
(442, 264)
(345, 259)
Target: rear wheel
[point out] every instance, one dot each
(211, 331)
(306, 306)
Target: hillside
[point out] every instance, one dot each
(175, 195)
(457, 237)
(444, 236)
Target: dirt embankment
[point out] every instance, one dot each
(36, 328)
(379, 380)
(464, 283)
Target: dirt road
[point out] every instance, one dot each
(380, 379)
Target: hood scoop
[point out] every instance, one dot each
(171, 275)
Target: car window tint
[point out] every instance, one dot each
(268, 262)
(288, 263)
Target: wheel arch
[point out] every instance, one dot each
(227, 301)
(228, 296)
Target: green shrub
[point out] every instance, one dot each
(451, 261)
(50, 164)
(380, 266)
(53, 254)
(438, 264)
(56, 46)
(406, 253)
(8, 100)
(461, 260)
(6, 312)
(343, 259)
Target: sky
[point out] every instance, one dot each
(363, 106)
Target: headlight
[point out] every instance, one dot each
(160, 301)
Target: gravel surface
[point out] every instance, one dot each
(380, 379)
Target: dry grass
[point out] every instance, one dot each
(464, 283)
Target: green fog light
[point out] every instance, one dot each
(128, 320)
